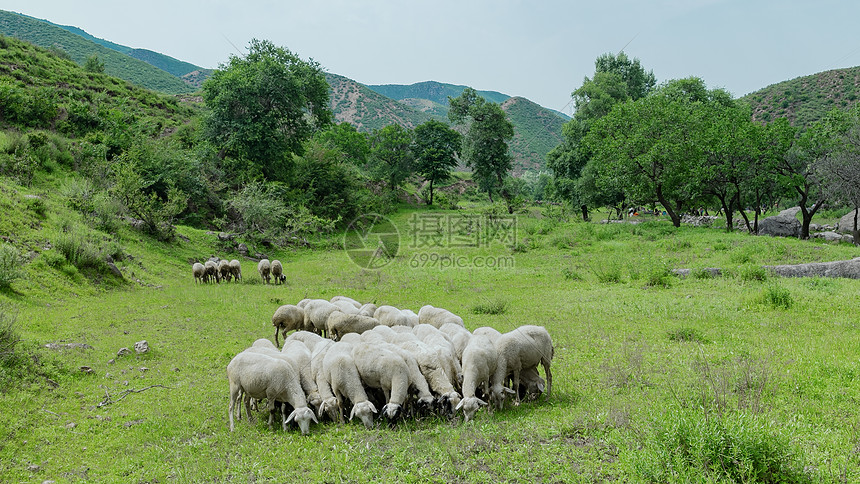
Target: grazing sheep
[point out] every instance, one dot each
(340, 323)
(459, 337)
(224, 270)
(432, 369)
(310, 339)
(390, 316)
(265, 269)
(531, 384)
(411, 317)
(340, 371)
(236, 269)
(437, 316)
(367, 309)
(199, 271)
(346, 307)
(491, 333)
(440, 342)
(346, 299)
(351, 338)
(287, 318)
(524, 347)
(479, 366)
(317, 312)
(277, 271)
(261, 376)
(211, 271)
(328, 406)
(386, 370)
(300, 356)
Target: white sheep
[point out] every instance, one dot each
(390, 316)
(346, 299)
(287, 318)
(277, 271)
(300, 356)
(367, 309)
(342, 375)
(411, 317)
(211, 271)
(329, 405)
(459, 336)
(317, 312)
(199, 271)
(386, 370)
(524, 347)
(309, 338)
(437, 316)
(442, 344)
(264, 267)
(346, 307)
(340, 323)
(480, 359)
(259, 376)
(432, 369)
(487, 331)
(236, 269)
(224, 270)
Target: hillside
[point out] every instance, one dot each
(78, 49)
(806, 99)
(437, 92)
(537, 130)
(356, 104)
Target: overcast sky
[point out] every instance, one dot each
(538, 50)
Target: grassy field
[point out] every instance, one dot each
(740, 378)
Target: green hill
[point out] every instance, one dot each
(806, 99)
(357, 104)
(437, 92)
(78, 49)
(537, 130)
(166, 63)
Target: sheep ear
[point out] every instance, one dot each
(373, 407)
(352, 412)
(321, 410)
(480, 402)
(313, 417)
(459, 405)
(291, 417)
(508, 390)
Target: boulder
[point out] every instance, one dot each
(829, 236)
(141, 347)
(842, 268)
(785, 224)
(846, 223)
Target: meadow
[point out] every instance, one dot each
(739, 378)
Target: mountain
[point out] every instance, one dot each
(437, 92)
(537, 130)
(358, 105)
(78, 49)
(806, 99)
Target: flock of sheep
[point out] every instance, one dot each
(347, 358)
(217, 270)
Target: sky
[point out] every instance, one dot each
(540, 50)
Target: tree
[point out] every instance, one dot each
(436, 147)
(485, 144)
(347, 139)
(652, 146)
(840, 169)
(263, 106)
(616, 79)
(94, 65)
(391, 155)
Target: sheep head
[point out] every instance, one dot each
(391, 410)
(303, 417)
(364, 411)
(470, 405)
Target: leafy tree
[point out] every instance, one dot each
(616, 79)
(347, 139)
(94, 65)
(391, 155)
(436, 147)
(485, 145)
(840, 169)
(263, 106)
(141, 202)
(653, 146)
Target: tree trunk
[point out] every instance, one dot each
(727, 210)
(584, 209)
(676, 219)
(431, 193)
(856, 231)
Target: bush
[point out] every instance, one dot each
(690, 445)
(607, 273)
(750, 273)
(496, 306)
(659, 276)
(10, 265)
(777, 297)
(80, 251)
(571, 274)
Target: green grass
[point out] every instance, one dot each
(701, 379)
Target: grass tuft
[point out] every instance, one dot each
(496, 306)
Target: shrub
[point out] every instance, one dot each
(777, 297)
(690, 445)
(80, 251)
(608, 273)
(10, 265)
(659, 276)
(496, 306)
(750, 272)
(571, 274)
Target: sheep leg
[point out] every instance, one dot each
(277, 330)
(248, 408)
(548, 378)
(517, 384)
(234, 395)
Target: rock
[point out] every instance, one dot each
(848, 238)
(849, 269)
(682, 273)
(68, 346)
(86, 369)
(698, 220)
(829, 236)
(243, 249)
(113, 268)
(141, 347)
(814, 227)
(846, 223)
(783, 225)
(123, 352)
(225, 237)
